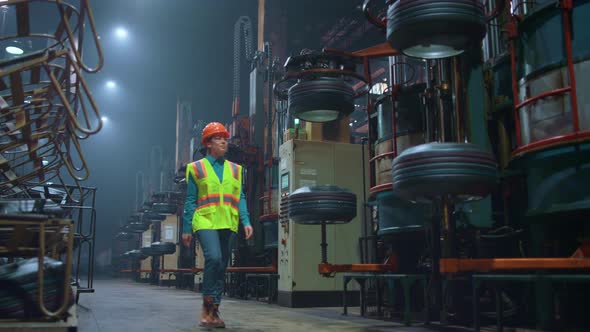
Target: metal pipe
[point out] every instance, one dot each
(443, 79)
(545, 95)
(455, 265)
(493, 31)
(367, 72)
(393, 121)
(515, 95)
(448, 227)
(552, 141)
(428, 114)
(459, 99)
(399, 70)
(566, 10)
(365, 255)
(269, 152)
(324, 245)
(92, 252)
(503, 145)
(435, 273)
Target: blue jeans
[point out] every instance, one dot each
(216, 245)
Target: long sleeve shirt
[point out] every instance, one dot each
(190, 204)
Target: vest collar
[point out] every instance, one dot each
(213, 161)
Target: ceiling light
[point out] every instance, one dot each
(121, 33)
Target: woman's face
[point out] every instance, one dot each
(217, 146)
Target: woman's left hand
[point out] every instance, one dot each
(249, 231)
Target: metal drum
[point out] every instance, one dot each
(383, 165)
(542, 67)
(409, 132)
(396, 215)
(554, 155)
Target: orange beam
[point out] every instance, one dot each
(252, 269)
(454, 265)
(337, 268)
(133, 271)
(195, 270)
(376, 51)
(380, 50)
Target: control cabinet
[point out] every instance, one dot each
(309, 163)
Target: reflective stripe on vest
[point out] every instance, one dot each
(200, 171)
(231, 200)
(234, 170)
(211, 199)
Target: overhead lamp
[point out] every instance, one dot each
(121, 33)
(432, 29)
(323, 99)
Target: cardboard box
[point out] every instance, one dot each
(334, 131)
(291, 133)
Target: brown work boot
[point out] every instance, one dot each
(206, 312)
(217, 321)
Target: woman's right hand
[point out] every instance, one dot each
(186, 239)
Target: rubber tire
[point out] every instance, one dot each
(134, 255)
(163, 248)
(150, 217)
(320, 94)
(322, 204)
(137, 227)
(165, 208)
(463, 170)
(149, 251)
(459, 24)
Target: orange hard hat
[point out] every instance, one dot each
(214, 129)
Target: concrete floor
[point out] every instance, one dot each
(122, 305)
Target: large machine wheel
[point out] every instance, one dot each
(150, 217)
(137, 227)
(134, 255)
(149, 251)
(435, 28)
(163, 248)
(320, 100)
(462, 170)
(322, 204)
(164, 208)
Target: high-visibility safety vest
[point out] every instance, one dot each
(217, 202)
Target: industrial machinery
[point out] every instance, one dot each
(473, 159)
(309, 163)
(48, 218)
(473, 169)
(536, 132)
